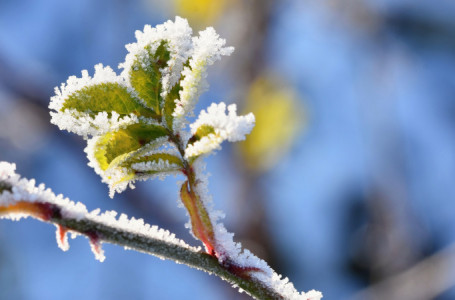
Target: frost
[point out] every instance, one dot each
(118, 178)
(85, 126)
(177, 34)
(95, 246)
(82, 123)
(285, 288)
(74, 84)
(226, 127)
(62, 238)
(208, 48)
(162, 165)
(7, 170)
(159, 166)
(114, 177)
(25, 191)
(189, 59)
(163, 75)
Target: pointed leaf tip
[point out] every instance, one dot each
(95, 246)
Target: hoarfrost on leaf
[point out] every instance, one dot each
(163, 75)
(208, 48)
(218, 127)
(91, 106)
(178, 36)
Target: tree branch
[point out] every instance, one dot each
(97, 232)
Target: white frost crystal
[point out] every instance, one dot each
(112, 176)
(208, 48)
(227, 127)
(82, 123)
(24, 190)
(118, 178)
(178, 36)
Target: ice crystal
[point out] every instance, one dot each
(225, 126)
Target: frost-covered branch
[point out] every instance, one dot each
(165, 250)
(19, 197)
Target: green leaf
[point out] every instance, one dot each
(202, 131)
(107, 97)
(145, 76)
(115, 147)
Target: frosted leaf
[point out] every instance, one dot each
(178, 37)
(115, 147)
(223, 127)
(86, 120)
(74, 84)
(122, 175)
(313, 295)
(208, 48)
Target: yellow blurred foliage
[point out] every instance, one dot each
(279, 118)
(201, 12)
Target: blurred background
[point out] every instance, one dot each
(346, 185)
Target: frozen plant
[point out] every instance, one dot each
(135, 124)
